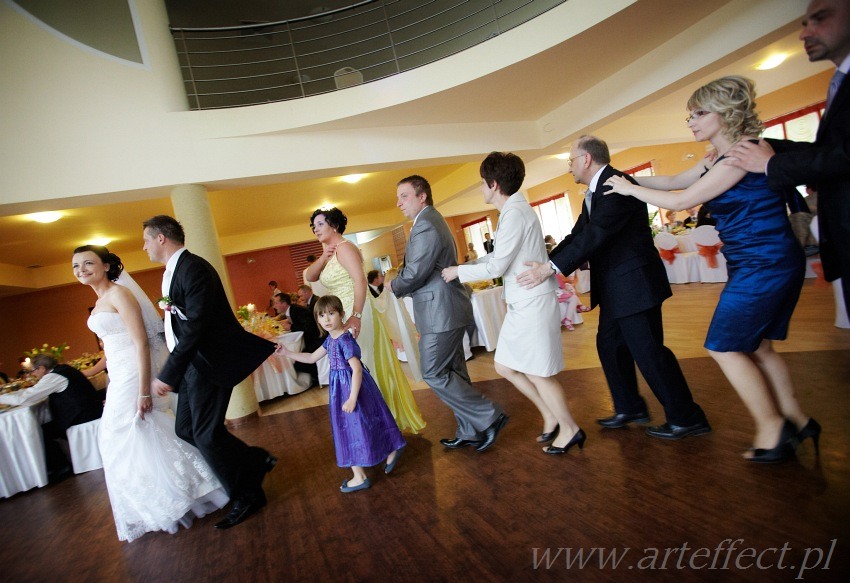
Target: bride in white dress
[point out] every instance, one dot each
(156, 481)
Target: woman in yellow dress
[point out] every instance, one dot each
(340, 270)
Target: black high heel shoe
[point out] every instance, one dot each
(782, 451)
(547, 437)
(578, 439)
(812, 429)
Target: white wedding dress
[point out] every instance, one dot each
(156, 481)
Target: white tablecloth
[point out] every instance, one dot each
(489, 310)
(22, 463)
(277, 375)
(686, 243)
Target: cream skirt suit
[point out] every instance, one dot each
(530, 339)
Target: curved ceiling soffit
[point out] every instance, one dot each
(109, 28)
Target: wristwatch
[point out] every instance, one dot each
(357, 315)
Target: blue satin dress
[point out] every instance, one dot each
(766, 267)
(367, 435)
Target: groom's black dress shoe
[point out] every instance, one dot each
(670, 431)
(241, 510)
(492, 432)
(457, 443)
(622, 419)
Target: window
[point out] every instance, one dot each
(474, 233)
(800, 125)
(555, 216)
(647, 170)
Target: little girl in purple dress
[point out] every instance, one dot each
(364, 430)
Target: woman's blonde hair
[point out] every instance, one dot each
(734, 100)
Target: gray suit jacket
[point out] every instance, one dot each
(437, 306)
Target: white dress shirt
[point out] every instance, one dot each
(170, 266)
(49, 384)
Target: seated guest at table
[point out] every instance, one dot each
(301, 320)
(528, 352)
(275, 290)
(307, 297)
(471, 254)
(691, 220)
(376, 282)
(765, 263)
(3, 376)
(567, 295)
(72, 400)
(671, 219)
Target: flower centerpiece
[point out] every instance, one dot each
(257, 322)
(54, 351)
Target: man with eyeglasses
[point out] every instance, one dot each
(824, 164)
(629, 284)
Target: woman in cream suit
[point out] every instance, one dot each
(528, 353)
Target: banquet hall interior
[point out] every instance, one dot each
(107, 123)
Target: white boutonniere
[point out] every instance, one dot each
(167, 305)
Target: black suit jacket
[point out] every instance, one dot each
(303, 321)
(211, 338)
(488, 246)
(626, 273)
(825, 164)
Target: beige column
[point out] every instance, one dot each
(192, 209)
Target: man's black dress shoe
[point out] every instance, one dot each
(622, 419)
(457, 443)
(492, 432)
(240, 512)
(670, 431)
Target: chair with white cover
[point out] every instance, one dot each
(82, 441)
(712, 263)
(347, 77)
(681, 267)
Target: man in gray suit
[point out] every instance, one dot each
(442, 312)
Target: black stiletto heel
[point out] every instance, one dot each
(812, 429)
(782, 451)
(578, 439)
(547, 437)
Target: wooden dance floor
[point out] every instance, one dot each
(654, 510)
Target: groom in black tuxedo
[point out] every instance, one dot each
(210, 353)
(628, 283)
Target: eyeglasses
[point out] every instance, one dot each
(696, 115)
(570, 160)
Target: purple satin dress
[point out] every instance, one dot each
(366, 436)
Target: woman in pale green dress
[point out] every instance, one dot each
(340, 270)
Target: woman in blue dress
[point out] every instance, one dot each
(765, 263)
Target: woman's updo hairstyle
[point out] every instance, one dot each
(115, 265)
(734, 100)
(333, 216)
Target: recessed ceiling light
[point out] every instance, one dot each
(48, 217)
(100, 241)
(772, 62)
(353, 178)
(563, 156)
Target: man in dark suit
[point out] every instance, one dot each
(628, 283)
(210, 353)
(442, 313)
(488, 243)
(307, 298)
(72, 401)
(376, 282)
(300, 320)
(825, 164)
